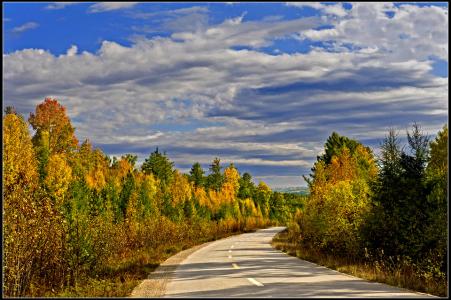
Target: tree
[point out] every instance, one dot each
(160, 166)
(19, 163)
(197, 175)
(215, 178)
(334, 145)
(436, 231)
(247, 187)
(180, 189)
(399, 215)
(339, 196)
(59, 176)
(22, 230)
(51, 122)
(10, 110)
(131, 158)
(231, 183)
(263, 196)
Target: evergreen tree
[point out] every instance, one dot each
(247, 187)
(197, 175)
(160, 166)
(215, 178)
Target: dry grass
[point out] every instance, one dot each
(377, 271)
(127, 270)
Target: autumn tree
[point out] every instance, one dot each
(54, 132)
(58, 178)
(339, 196)
(51, 122)
(231, 183)
(131, 158)
(28, 218)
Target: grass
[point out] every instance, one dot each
(124, 273)
(403, 278)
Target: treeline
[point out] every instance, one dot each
(388, 212)
(70, 211)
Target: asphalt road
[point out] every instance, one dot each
(247, 266)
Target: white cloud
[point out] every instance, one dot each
(25, 27)
(332, 9)
(72, 50)
(412, 33)
(109, 6)
(116, 95)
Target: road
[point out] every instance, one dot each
(247, 266)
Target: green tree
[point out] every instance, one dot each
(399, 215)
(247, 187)
(436, 232)
(215, 178)
(197, 175)
(160, 166)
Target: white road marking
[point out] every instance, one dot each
(230, 256)
(255, 282)
(235, 266)
(230, 250)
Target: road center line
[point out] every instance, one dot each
(255, 282)
(235, 266)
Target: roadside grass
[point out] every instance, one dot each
(126, 271)
(379, 271)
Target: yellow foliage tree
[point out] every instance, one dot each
(202, 197)
(19, 162)
(26, 218)
(59, 176)
(120, 171)
(339, 199)
(180, 188)
(215, 199)
(231, 184)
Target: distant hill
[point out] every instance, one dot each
(300, 190)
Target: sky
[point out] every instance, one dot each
(261, 85)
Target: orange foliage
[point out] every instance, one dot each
(51, 118)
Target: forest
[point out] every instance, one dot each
(383, 217)
(77, 222)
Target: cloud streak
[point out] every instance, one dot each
(60, 5)
(109, 6)
(25, 27)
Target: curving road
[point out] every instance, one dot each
(247, 266)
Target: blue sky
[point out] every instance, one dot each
(258, 84)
